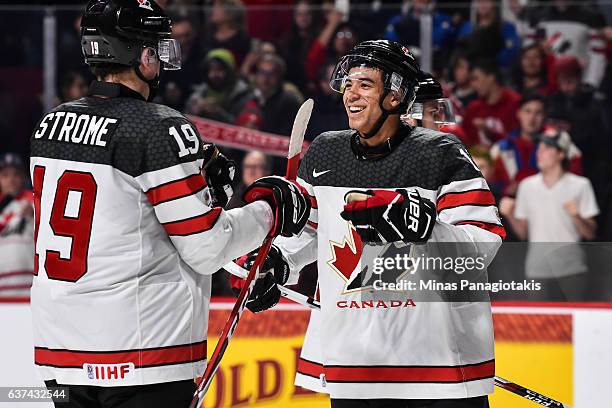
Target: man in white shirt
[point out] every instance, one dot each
(554, 210)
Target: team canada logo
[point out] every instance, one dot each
(145, 4)
(352, 261)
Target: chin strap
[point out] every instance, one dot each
(153, 83)
(383, 116)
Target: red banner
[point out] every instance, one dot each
(242, 138)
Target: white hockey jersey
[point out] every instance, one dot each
(384, 349)
(125, 244)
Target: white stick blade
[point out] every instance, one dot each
(299, 128)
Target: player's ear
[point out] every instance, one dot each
(149, 63)
(392, 100)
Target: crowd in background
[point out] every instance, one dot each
(514, 71)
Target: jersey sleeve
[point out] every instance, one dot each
(587, 203)
(171, 179)
(301, 250)
(466, 208)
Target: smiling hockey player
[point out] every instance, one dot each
(421, 186)
(125, 244)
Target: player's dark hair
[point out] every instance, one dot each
(531, 97)
(489, 67)
(101, 71)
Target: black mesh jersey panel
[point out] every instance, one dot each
(425, 158)
(140, 141)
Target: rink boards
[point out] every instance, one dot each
(557, 349)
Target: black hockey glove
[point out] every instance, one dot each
(382, 216)
(219, 172)
(288, 200)
(275, 271)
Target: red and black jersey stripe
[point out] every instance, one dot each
(176, 189)
(494, 228)
(193, 225)
(141, 358)
(401, 374)
(478, 197)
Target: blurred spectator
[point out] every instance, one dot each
(515, 155)
(488, 36)
(254, 165)
(335, 40)
(228, 28)
(258, 50)
(484, 161)
(554, 206)
(578, 109)
(294, 46)
(405, 27)
(328, 113)
(72, 87)
(176, 85)
(370, 17)
(16, 229)
(490, 117)
(461, 87)
(571, 29)
(278, 106)
(535, 71)
(222, 96)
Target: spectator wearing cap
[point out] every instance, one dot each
(278, 106)
(488, 36)
(16, 229)
(514, 156)
(552, 210)
(490, 117)
(577, 108)
(222, 96)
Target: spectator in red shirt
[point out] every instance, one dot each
(535, 71)
(336, 39)
(490, 117)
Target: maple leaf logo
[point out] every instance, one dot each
(346, 255)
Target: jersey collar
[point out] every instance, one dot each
(112, 90)
(363, 152)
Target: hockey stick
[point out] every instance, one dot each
(293, 160)
(528, 394)
(309, 302)
(290, 294)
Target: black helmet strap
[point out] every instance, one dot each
(384, 115)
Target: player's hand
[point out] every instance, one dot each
(275, 271)
(219, 172)
(288, 200)
(382, 216)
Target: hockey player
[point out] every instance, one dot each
(124, 243)
(421, 186)
(430, 109)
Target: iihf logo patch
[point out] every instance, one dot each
(145, 4)
(90, 372)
